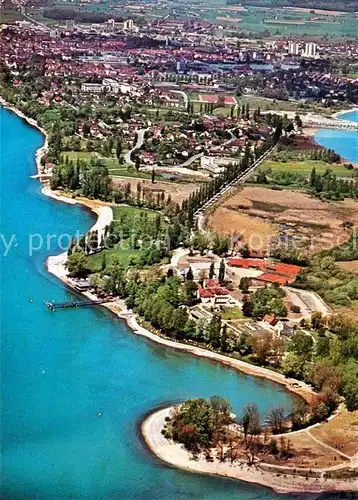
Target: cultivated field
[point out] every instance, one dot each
(316, 11)
(260, 213)
(229, 19)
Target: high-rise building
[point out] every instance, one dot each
(293, 48)
(310, 50)
(128, 24)
(70, 24)
(110, 24)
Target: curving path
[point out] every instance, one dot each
(139, 143)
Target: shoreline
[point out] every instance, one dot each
(33, 123)
(55, 265)
(278, 478)
(338, 114)
(311, 132)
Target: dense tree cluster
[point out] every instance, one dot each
(203, 427)
(199, 424)
(329, 186)
(91, 179)
(346, 252)
(330, 363)
(334, 284)
(266, 300)
(286, 153)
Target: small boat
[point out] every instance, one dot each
(99, 414)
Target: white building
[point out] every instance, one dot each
(293, 48)
(215, 164)
(114, 86)
(310, 50)
(128, 25)
(111, 24)
(95, 88)
(70, 24)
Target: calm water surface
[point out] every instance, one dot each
(58, 370)
(344, 142)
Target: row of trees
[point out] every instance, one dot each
(266, 300)
(91, 179)
(209, 189)
(287, 153)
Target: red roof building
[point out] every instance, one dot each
(205, 294)
(285, 270)
(271, 320)
(275, 278)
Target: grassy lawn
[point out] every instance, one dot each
(304, 168)
(116, 172)
(81, 155)
(163, 112)
(10, 15)
(222, 111)
(121, 251)
(123, 170)
(114, 168)
(132, 212)
(255, 101)
(230, 313)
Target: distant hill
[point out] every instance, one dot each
(336, 5)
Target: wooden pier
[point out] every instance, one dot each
(53, 306)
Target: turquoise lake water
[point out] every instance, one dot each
(58, 370)
(343, 142)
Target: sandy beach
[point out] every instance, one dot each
(277, 478)
(344, 111)
(309, 131)
(56, 263)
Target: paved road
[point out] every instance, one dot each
(191, 160)
(308, 302)
(138, 144)
(31, 19)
